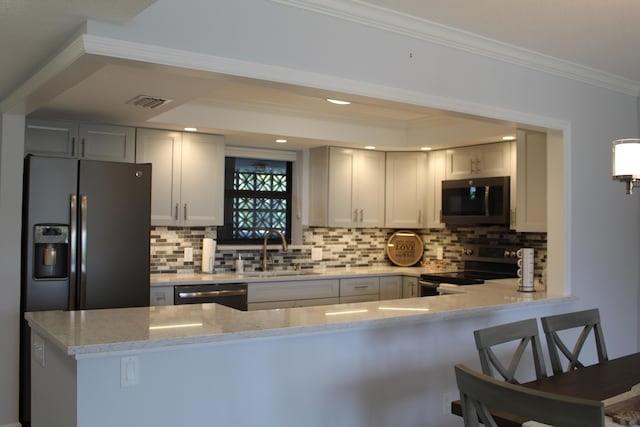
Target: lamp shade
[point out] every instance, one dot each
(626, 159)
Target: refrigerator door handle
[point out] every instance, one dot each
(73, 226)
(82, 290)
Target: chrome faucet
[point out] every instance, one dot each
(264, 246)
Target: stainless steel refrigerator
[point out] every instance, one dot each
(85, 241)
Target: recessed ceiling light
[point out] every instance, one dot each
(425, 148)
(508, 138)
(191, 129)
(369, 147)
(281, 141)
(338, 101)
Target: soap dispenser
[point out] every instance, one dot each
(239, 265)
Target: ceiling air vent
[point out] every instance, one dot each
(146, 101)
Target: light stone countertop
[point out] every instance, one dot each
(90, 333)
(195, 278)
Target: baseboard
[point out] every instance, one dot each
(12, 425)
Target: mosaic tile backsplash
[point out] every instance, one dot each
(341, 248)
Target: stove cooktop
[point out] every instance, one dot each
(462, 278)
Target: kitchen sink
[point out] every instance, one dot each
(276, 273)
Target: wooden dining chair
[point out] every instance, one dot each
(588, 320)
(525, 331)
(478, 392)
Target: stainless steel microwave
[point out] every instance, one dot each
(476, 201)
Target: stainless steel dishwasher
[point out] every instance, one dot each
(230, 294)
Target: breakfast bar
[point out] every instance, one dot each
(361, 364)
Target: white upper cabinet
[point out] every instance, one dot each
(486, 160)
(65, 138)
(187, 187)
(346, 187)
(406, 187)
(529, 182)
(436, 166)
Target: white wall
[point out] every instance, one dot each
(11, 153)
(600, 239)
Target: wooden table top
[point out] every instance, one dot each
(596, 382)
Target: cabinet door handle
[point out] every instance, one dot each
(477, 165)
(355, 215)
(361, 287)
(185, 211)
(419, 216)
(73, 147)
(361, 215)
(82, 144)
(177, 207)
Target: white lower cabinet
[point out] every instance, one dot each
(162, 295)
(410, 287)
(359, 289)
(390, 287)
(293, 303)
(295, 293)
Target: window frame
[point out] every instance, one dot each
(225, 232)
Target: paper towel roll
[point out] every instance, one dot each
(208, 255)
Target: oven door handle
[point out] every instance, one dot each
(205, 294)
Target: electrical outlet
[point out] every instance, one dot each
(129, 371)
(188, 254)
(439, 252)
(447, 398)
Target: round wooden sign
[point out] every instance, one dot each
(405, 248)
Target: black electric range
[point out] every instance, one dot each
(480, 263)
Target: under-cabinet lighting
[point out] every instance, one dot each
(338, 313)
(402, 309)
(369, 147)
(174, 326)
(189, 129)
(508, 138)
(425, 148)
(338, 101)
(626, 162)
(281, 141)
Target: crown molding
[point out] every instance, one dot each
(375, 16)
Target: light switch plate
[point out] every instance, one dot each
(188, 254)
(129, 371)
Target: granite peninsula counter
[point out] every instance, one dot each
(339, 365)
(96, 331)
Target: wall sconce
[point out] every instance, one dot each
(626, 162)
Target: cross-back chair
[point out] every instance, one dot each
(479, 392)
(589, 321)
(525, 331)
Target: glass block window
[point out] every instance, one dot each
(257, 199)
